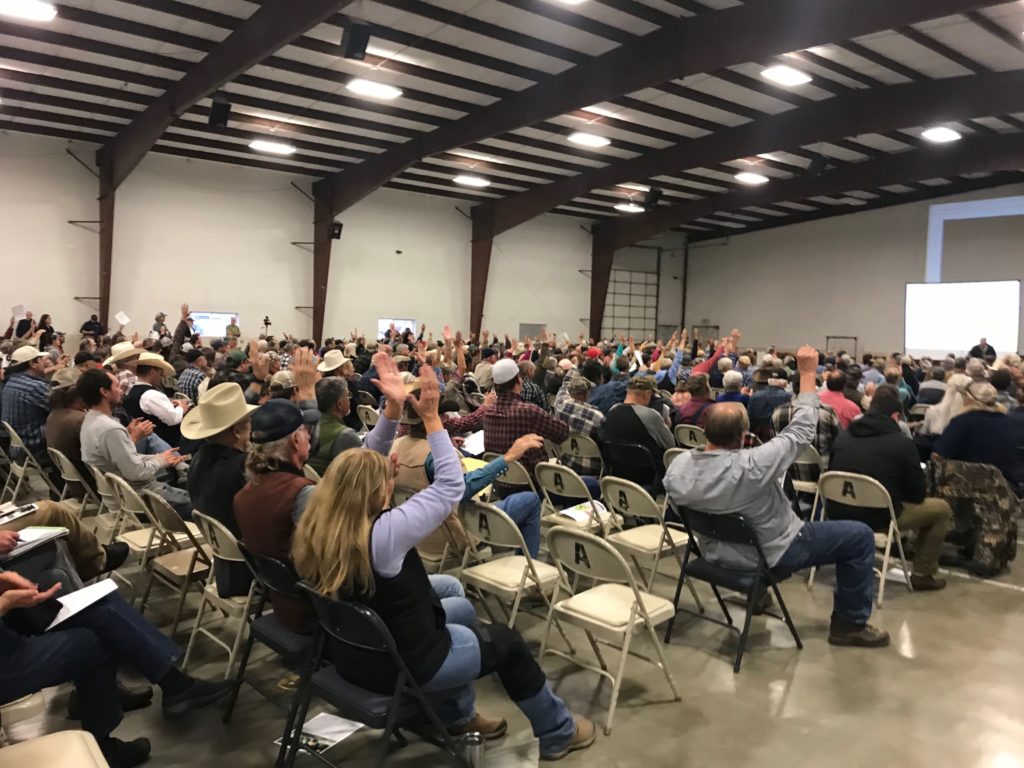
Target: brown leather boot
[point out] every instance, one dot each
(926, 583)
(490, 728)
(585, 735)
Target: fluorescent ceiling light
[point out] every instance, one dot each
(373, 90)
(749, 177)
(629, 207)
(635, 187)
(784, 74)
(571, 2)
(855, 201)
(941, 135)
(589, 139)
(32, 10)
(273, 147)
(599, 111)
(767, 156)
(471, 181)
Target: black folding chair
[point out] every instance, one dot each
(304, 652)
(355, 627)
(752, 582)
(633, 462)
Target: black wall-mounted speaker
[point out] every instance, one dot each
(220, 111)
(336, 230)
(354, 40)
(652, 197)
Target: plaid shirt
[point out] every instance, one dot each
(532, 394)
(508, 420)
(189, 381)
(824, 433)
(583, 419)
(286, 360)
(26, 404)
(126, 379)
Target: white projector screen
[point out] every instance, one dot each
(212, 324)
(952, 317)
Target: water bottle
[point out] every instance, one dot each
(473, 750)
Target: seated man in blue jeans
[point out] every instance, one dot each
(725, 479)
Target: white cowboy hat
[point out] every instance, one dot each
(333, 360)
(26, 354)
(121, 351)
(156, 361)
(218, 408)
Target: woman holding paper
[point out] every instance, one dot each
(86, 637)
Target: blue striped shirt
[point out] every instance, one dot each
(25, 406)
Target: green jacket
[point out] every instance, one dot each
(335, 437)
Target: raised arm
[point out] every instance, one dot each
(775, 456)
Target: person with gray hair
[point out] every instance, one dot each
(976, 369)
(715, 377)
(335, 436)
(732, 382)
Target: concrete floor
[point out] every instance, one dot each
(947, 692)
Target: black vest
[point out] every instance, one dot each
(412, 611)
(171, 434)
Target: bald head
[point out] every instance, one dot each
(725, 425)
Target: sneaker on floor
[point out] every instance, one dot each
(198, 695)
(117, 553)
(490, 728)
(585, 735)
(125, 754)
(859, 635)
(926, 583)
(132, 698)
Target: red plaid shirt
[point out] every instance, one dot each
(508, 420)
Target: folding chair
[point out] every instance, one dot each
(730, 529)
(633, 462)
(515, 476)
(556, 480)
(552, 450)
(610, 613)
(355, 627)
(579, 447)
(863, 492)
(224, 547)
(310, 473)
(670, 454)
(69, 474)
(917, 412)
(368, 415)
(186, 564)
(365, 398)
(108, 501)
(300, 651)
(509, 578)
(29, 463)
(143, 539)
(689, 436)
(806, 470)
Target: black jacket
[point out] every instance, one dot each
(875, 446)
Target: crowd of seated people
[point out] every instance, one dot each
(230, 429)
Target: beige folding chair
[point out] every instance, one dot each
(806, 470)
(552, 450)
(112, 515)
(188, 561)
(22, 462)
(432, 561)
(507, 578)
(610, 613)
(689, 436)
(578, 447)
(862, 491)
(69, 474)
(516, 474)
(670, 454)
(224, 547)
(365, 398)
(310, 473)
(367, 415)
(557, 480)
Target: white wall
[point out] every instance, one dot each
(839, 276)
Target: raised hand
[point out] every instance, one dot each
(446, 333)
(425, 404)
(184, 311)
(389, 379)
(807, 359)
(303, 370)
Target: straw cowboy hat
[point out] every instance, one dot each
(218, 408)
(156, 361)
(333, 360)
(121, 351)
(27, 353)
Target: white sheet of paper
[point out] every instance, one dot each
(76, 602)
(582, 511)
(37, 533)
(324, 731)
(18, 311)
(474, 444)
(122, 318)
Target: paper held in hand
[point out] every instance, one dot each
(76, 602)
(474, 444)
(122, 318)
(32, 537)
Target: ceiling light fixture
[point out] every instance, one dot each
(32, 10)
(588, 139)
(471, 181)
(941, 135)
(783, 74)
(572, 2)
(629, 207)
(273, 147)
(749, 177)
(373, 90)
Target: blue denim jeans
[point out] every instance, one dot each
(151, 445)
(524, 509)
(457, 609)
(850, 545)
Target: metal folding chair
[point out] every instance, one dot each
(69, 474)
(689, 436)
(557, 480)
(368, 415)
(577, 447)
(22, 463)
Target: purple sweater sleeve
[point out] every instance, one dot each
(402, 528)
(382, 435)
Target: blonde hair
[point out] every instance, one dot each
(331, 545)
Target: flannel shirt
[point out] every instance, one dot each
(532, 394)
(508, 420)
(189, 381)
(26, 404)
(126, 379)
(825, 431)
(583, 419)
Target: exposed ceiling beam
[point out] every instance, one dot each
(974, 155)
(273, 25)
(687, 46)
(857, 112)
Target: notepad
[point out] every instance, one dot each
(582, 511)
(76, 602)
(474, 444)
(31, 537)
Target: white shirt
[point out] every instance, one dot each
(159, 406)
